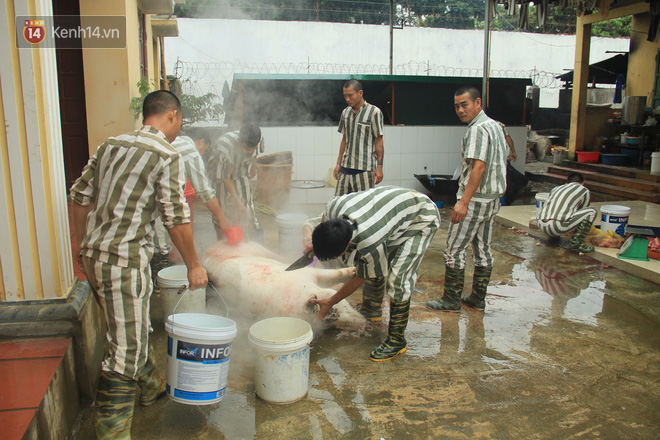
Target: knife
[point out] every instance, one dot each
(301, 262)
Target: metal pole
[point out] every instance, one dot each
(484, 81)
(391, 35)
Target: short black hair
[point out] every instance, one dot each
(470, 90)
(250, 134)
(575, 177)
(330, 239)
(159, 102)
(353, 84)
(199, 133)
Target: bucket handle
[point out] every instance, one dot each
(185, 289)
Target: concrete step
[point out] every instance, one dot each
(599, 176)
(613, 170)
(605, 188)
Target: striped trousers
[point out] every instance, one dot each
(350, 183)
(405, 259)
(476, 229)
(228, 205)
(123, 294)
(555, 228)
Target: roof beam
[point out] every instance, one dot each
(624, 11)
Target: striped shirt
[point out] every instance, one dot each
(382, 218)
(563, 201)
(484, 141)
(131, 180)
(226, 159)
(361, 131)
(195, 170)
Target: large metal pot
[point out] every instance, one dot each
(634, 108)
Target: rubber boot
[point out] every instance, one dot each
(395, 343)
(151, 387)
(577, 243)
(158, 262)
(373, 291)
(451, 299)
(480, 281)
(115, 401)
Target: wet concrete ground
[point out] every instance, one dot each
(566, 348)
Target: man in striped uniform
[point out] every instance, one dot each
(360, 162)
(131, 180)
(230, 166)
(567, 209)
(383, 232)
(482, 183)
(190, 148)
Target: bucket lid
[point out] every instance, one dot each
(291, 218)
(615, 209)
(542, 197)
(201, 326)
(280, 334)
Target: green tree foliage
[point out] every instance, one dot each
(452, 14)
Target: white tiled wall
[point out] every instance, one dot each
(408, 150)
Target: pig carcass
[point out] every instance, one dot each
(253, 280)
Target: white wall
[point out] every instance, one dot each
(275, 44)
(408, 150)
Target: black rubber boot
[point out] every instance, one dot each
(395, 343)
(151, 387)
(451, 299)
(115, 402)
(577, 243)
(373, 291)
(158, 262)
(480, 281)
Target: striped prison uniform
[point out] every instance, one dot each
(392, 227)
(196, 175)
(484, 140)
(225, 159)
(130, 181)
(566, 208)
(359, 160)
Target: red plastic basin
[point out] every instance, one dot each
(588, 156)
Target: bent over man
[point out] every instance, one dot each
(131, 180)
(567, 209)
(482, 183)
(383, 232)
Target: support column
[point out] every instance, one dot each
(580, 82)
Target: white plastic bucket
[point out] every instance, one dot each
(541, 198)
(173, 282)
(613, 217)
(198, 350)
(281, 369)
(655, 162)
(289, 230)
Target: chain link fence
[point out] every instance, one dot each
(199, 78)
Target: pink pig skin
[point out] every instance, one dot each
(254, 280)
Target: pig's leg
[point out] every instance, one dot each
(327, 276)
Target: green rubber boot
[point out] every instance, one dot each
(395, 343)
(451, 299)
(577, 243)
(480, 281)
(151, 387)
(115, 401)
(373, 291)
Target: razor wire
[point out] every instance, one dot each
(198, 78)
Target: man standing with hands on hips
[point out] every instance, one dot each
(360, 161)
(130, 181)
(482, 183)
